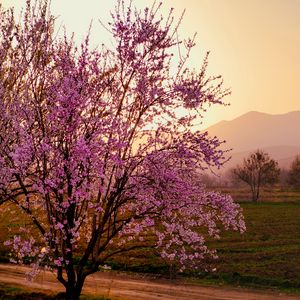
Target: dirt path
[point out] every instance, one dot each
(128, 288)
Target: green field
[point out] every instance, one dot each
(267, 255)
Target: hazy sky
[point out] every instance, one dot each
(254, 44)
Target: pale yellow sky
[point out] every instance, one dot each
(254, 44)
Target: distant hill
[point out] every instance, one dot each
(279, 135)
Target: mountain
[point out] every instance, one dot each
(279, 135)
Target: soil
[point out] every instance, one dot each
(130, 287)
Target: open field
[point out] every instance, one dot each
(266, 256)
(267, 194)
(268, 253)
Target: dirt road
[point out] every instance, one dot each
(128, 288)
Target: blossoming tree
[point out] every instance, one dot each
(97, 147)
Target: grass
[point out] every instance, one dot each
(15, 292)
(267, 255)
(19, 292)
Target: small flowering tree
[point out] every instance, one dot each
(97, 147)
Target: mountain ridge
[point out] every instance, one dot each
(255, 112)
(277, 134)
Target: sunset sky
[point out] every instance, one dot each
(254, 44)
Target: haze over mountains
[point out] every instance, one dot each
(279, 135)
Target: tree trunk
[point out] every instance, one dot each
(255, 196)
(255, 193)
(172, 271)
(73, 290)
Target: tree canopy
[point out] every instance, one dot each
(294, 173)
(97, 146)
(257, 170)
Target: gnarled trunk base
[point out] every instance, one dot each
(73, 290)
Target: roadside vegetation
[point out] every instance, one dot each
(15, 292)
